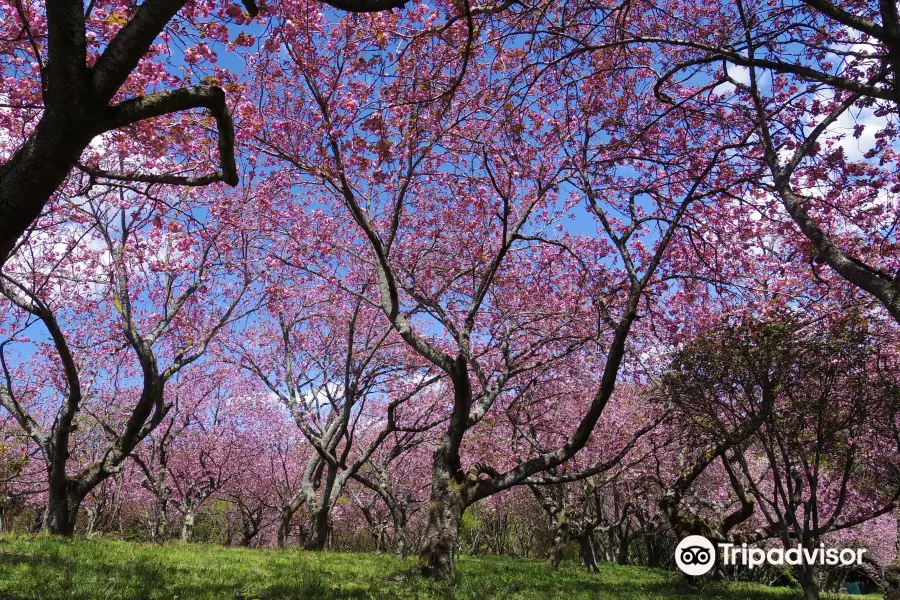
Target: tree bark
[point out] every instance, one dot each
(317, 535)
(288, 509)
(284, 526)
(158, 521)
(34, 173)
(156, 529)
(588, 552)
(187, 528)
(560, 541)
(62, 509)
(399, 517)
(400, 542)
(807, 578)
(622, 555)
(891, 581)
(445, 512)
(247, 535)
(449, 491)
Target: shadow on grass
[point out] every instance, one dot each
(52, 577)
(82, 570)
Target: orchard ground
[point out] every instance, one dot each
(43, 568)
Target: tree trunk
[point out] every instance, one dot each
(560, 541)
(379, 536)
(317, 535)
(93, 515)
(157, 526)
(891, 582)
(587, 552)
(654, 557)
(445, 512)
(400, 538)
(807, 579)
(284, 526)
(622, 555)
(400, 544)
(2, 517)
(158, 521)
(449, 493)
(62, 510)
(897, 523)
(247, 536)
(187, 528)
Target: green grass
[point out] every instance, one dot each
(42, 568)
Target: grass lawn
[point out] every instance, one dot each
(47, 569)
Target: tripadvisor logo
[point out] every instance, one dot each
(696, 555)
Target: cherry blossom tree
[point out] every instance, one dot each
(390, 478)
(818, 81)
(200, 449)
(434, 160)
(344, 380)
(79, 72)
(583, 497)
(119, 295)
(800, 418)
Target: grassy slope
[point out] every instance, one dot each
(48, 569)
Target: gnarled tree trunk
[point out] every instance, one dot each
(187, 527)
(288, 510)
(445, 511)
(317, 534)
(891, 581)
(63, 504)
(587, 551)
(560, 540)
(399, 535)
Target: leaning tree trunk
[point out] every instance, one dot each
(588, 552)
(30, 177)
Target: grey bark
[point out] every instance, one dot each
(187, 526)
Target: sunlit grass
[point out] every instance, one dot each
(42, 568)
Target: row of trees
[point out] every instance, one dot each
(771, 432)
(526, 249)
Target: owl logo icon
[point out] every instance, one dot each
(695, 555)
